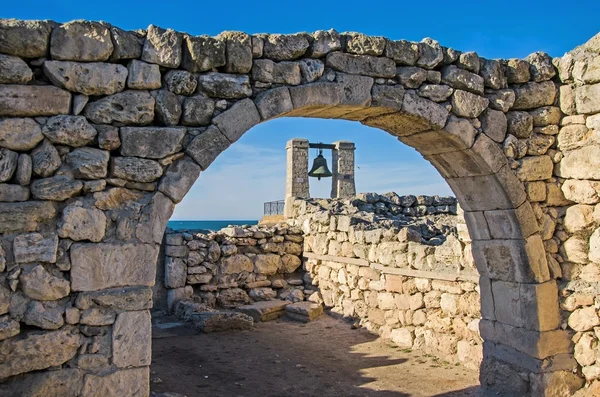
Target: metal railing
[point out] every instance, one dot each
(274, 207)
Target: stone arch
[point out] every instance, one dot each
(453, 108)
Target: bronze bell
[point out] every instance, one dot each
(319, 169)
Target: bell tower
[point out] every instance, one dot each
(297, 174)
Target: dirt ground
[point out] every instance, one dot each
(325, 358)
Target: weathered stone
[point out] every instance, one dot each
(540, 66)
(135, 169)
(435, 92)
(34, 247)
(285, 47)
(133, 382)
(387, 96)
(180, 82)
(431, 113)
(44, 316)
(127, 107)
(26, 39)
(430, 53)
(466, 104)
(37, 351)
(221, 85)
(128, 44)
(268, 71)
(238, 119)
(151, 142)
(365, 65)
(162, 47)
(494, 124)
(520, 124)
(492, 73)
(179, 178)
(87, 78)
(325, 41)
(290, 263)
(175, 273)
(517, 71)
(535, 168)
(197, 110)
(311, 69)
(151, 226)
(402, 52)
(8, 328)
(411, 76)
(20, 134)
(221, 321)
(167, 108)
(584, 319)
(533, 95)
(361, 44)
(45, 159)
(238, 52)
(143, 76)
(108, 137)
(100, 266)
(33, 100)
(56, 188)
(131, 339)
(13, 193)
(39, 284)
(583, 163)
(88, 163)
(232, 297)
(203, 53)
(264, 310)
(79, 223)
(586, 99)
(81, 41)
(304, 311)
(267, 264)
(236, 264)
(14, 70)
(124, 298)
(207, 146)
(8, 164)
(462, 79)
(25, 217)
(501, 100)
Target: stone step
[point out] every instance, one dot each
(304, 311)
(216, 321)
(264, 310)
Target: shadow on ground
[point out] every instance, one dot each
(325, 358)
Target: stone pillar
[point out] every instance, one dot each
(296, 176)
(342, 184)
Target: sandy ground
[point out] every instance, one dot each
(325, 358)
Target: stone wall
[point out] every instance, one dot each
(400, 265)
(233, 266)
(103, 131)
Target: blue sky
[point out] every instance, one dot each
(253, 170)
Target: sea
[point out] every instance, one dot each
(208, 225)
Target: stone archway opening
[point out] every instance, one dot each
(93, 164)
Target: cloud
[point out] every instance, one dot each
(245, 176)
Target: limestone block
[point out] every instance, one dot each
(227, 86)
(45, 160)
(238, 119)
(56, 188)
(79, 223)
(535, 168)
(131, 339)
(430, 53)
(87, 78)
(324, 42)
(128, 44)
(361, 64)
(180, 82)
(26, 216)
(88, 163)
(197, 110)
(203, 53)
(463, 79)
(32, 101)
(492, 73)
(361, 44)
(133, 382)
(20, 134)
(583, 163)
(534, 95)
(264, 310)
(238, 51)
(402, 337)
(179, 178)
(143, 76)
(34, 247)
(152, 224)
(108, 137)
(13, 193)
(205, 147)
(311, 69)
(37, 351)
(127, 107)
(99, 266)
(494, 124)
(587, 99)
(121, 299)
(274, 102)
(167, 108)
(411, 76)
(151, 142)
(135, 169)
(162, 47)
(584, 319)
(81, 41)
(520, 124)
(575, 249)
(583, 192)
(285, 47)
(13, 70)
(8, 164)
(466, 104)
(268, 71)
(546, 115)
(233, 297)
(26, 39)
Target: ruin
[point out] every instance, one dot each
(103, 132)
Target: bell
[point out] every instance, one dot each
(319, 169)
